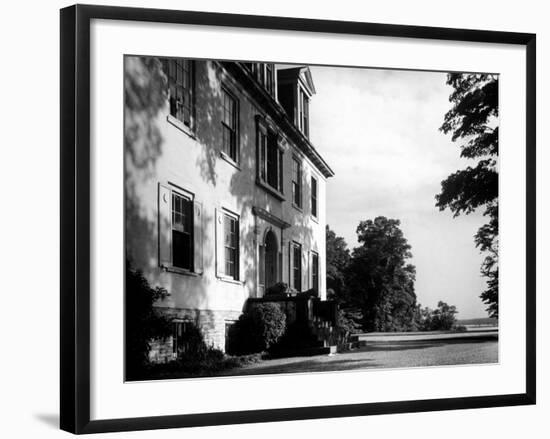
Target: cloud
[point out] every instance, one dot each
(379, 131)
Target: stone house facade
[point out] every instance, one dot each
(224, 192)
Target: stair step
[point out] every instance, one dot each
(352, 345)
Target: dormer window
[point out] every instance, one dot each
(270, 159)
(264, 73)
(294, 90)
(303, 112)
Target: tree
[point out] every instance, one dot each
(381, 282)
(143, 323)
(473, 121)
(441, 319)
(338, 258)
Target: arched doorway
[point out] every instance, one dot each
(271, 253)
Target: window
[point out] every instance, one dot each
(296, 182)
(180, 338)
(270, 159)
(269, 82)
(272, 163)
(315, 271)
(180, 88)
(264, 73)
(303, 113)
(314, 196)
(297, 265)
(231, 246)
(229, 125)
(229, 334)
(182, 232)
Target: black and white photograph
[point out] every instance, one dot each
(275, 219)
(292, 218)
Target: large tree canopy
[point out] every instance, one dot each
(337, 260)
(472, 121)
(381, 281)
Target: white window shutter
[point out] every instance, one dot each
(220, 248)
(198, 236)
(165, 225)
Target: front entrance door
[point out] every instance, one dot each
(270, 259)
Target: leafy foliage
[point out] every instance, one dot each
(257, 329)
(210, 362)
(441, 319)
(381, 282)
(143, 323)
(338, 258)
(472, 120)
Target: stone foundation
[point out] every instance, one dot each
(212, 325)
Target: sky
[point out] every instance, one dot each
(379, 132)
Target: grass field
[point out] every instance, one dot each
(485, 321)
(387, 353)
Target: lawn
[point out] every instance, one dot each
(384, 354)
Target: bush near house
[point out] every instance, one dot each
(210, 362)
(257, 330)
(143, 324)
(298, 335)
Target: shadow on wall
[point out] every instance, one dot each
(145, 109)
(145, 93)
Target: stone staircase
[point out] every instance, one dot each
(332, 339)
(314, 327)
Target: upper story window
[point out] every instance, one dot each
(314, 190)
(296, 182)
(294, 90)
(180, 89)
(270, 159)
(303, 112)
(264, 74)
(229, 125)
(269, 81)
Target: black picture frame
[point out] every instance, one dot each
(75, 217)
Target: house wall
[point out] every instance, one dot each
(159, 150)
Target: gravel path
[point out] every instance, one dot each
(387, 354)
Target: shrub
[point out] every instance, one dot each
(269, 323)
(298, 335)
(257, 329)
(143, 323)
